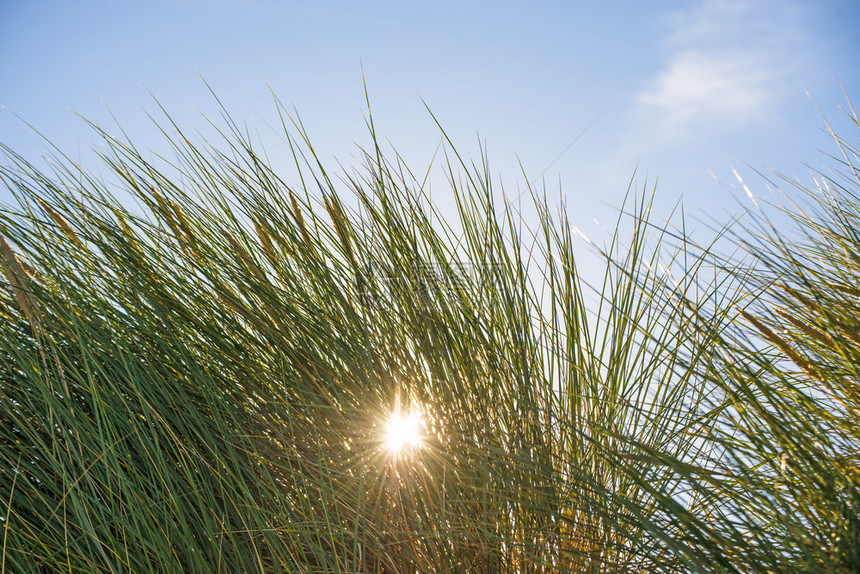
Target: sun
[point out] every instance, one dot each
(404, 432)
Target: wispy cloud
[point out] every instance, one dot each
(700, 87)
(726, 67)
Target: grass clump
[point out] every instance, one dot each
(206, 383)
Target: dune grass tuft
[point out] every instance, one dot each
(205, 383)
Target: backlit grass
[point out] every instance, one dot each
(247, 374)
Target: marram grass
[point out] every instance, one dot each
(208, 382)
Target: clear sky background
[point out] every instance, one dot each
(683, 88)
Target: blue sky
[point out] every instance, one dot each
(685, 89)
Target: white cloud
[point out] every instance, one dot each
(701, 87)
(727, 66)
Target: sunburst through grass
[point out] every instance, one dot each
(404, 432)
